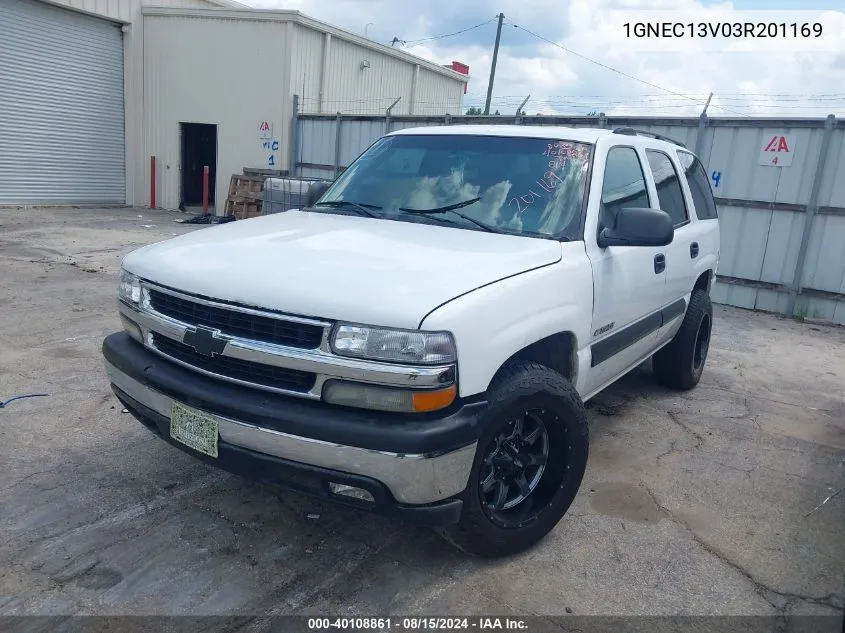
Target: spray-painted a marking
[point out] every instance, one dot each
(717, 176)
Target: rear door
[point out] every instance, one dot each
(670, 197)
(705, 217)
(628, 281)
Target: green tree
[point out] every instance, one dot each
(474, 112)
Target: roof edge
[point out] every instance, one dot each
(229, 4)
(297, 17)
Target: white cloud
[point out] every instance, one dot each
(559, 82)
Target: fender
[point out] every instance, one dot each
(494, 322)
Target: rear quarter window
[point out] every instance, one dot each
(699, 184)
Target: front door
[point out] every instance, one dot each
(628, 281)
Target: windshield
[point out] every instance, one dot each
(524, 186)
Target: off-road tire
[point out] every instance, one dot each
(679, 365)
(518, 387)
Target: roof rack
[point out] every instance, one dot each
(629, 131)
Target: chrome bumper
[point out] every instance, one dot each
(411, 479)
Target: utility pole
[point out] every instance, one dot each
(493, 65)
(706, 105)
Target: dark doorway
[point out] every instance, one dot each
(199, 148)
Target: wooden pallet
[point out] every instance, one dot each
(246, 194)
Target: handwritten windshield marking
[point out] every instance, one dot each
(545, 183)
(562, 152)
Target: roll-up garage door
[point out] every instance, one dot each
(61, 106)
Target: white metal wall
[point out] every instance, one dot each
(435, 96)
(61, 106)
(763, 210)
(362, 80)
(306, 63)
(227, 72)
(237, 69)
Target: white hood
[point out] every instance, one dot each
(338, 267)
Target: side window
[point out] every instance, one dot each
(699, 184)
(624, 184)
(669, 193)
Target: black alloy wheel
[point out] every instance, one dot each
(514, 464)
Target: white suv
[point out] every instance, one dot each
(419, 340)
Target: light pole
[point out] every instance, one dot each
(366, 27)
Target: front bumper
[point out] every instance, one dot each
(413, 466)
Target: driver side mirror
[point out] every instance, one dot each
(316, 191)
(634, 226)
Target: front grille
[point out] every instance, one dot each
(247, 371)
(236, 323)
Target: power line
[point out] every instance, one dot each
(619, 72)
(440, 37)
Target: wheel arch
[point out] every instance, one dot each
(704, 281)
(558, 352)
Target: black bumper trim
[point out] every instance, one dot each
(410, 434)
(300, 478)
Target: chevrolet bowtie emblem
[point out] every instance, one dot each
(205, 341)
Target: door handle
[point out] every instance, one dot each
(659, 263)
(693, 250)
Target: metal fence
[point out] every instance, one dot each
(779, 186)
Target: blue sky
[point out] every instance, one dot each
(751, 83)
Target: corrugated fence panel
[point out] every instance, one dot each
(825, 265)
(832, 193)
(404, 125)
(738, 296)
(744, 234)
(782, 244)
(354, 139)
(318, 139)
(314, 172)
(735, 154)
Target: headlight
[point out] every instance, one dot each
(374, 343)
(129, 288)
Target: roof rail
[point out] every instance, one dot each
(629, 131)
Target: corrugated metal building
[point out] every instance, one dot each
(91, 89)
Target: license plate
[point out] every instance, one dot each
(194, 428)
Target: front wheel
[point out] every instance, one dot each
(679, 364)
(529, 463)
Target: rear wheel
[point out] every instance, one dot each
(529, 463)
(680, 364)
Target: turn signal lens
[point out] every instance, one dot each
(132, 328)
(434, 400)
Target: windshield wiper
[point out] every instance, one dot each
(449, 207)
(360, 207)
(452, 208)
